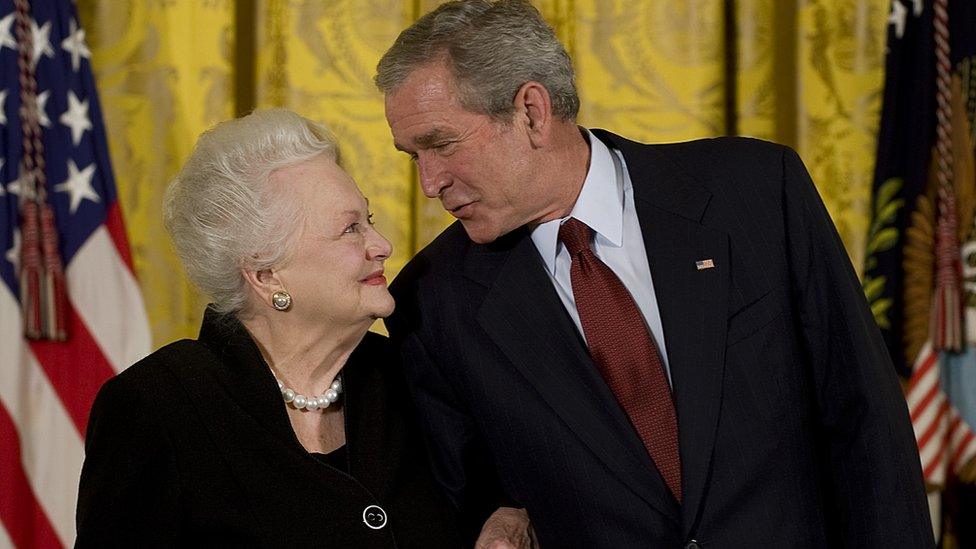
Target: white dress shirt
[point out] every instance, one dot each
(606, 205)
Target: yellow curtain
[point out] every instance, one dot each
(163, 71)
(807, 74)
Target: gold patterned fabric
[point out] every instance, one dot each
(163, 70)
(806, 74)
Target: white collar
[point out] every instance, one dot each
(600, 205)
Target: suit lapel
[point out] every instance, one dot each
(692, 303)
(243, 374)
(525, 318)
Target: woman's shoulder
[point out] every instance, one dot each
(157, 371)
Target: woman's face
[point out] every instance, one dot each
(335, 270)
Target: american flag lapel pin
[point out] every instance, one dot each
(703, 264)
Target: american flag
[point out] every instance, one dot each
(47, 387)
(942, 389)
(920, 274)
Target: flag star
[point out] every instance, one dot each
(75, 45)
(76, 117)
(897, 17)
(3, 106)
(6, 37)
(42, 118)
(42, 40)
(78, 185)
(13, 254)
(16, 188)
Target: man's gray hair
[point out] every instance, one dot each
(492, 49)
(222, 211)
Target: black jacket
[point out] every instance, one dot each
(192, 446)
(792, 428)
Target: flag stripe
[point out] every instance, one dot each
(76, 369)
(106, 296)
(937, 426)
(962, 450)
(923, 374)
(21, 514)
(960, 438)
(116, 228)
(51, 449)
(925, 368)
(945, 441)
(923, 404)
(937, 421)
(930, 416)
(939, 457)
(5, 540)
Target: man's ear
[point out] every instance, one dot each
(534, 109)
(263, 283)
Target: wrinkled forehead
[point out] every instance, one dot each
(428, 84)
(425, 109)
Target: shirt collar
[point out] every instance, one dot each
(600, 205)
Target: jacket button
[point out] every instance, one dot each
(374, 516)
(693, 544)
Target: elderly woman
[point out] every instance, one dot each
(285, 423)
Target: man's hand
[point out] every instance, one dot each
(507, 528)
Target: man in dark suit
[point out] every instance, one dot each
(642, 345)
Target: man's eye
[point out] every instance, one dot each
(369, 218)
(352, 228)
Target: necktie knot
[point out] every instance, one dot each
(575, 235)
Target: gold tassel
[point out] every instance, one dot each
(55, 296)
(30, 271)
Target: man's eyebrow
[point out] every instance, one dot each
(425, 141)
(433, 136)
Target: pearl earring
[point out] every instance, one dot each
(281, 300)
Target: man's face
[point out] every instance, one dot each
(478, 167)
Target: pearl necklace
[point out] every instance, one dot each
(302, 402)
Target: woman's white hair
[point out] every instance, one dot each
(222, 211)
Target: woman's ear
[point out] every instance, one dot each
(263, 283)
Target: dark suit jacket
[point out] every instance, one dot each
(192, 446)
(793, 430)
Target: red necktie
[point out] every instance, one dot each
(621, 346)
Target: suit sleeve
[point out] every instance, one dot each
(460, 458)
(870, 465)
(128, 492)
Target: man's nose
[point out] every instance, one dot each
(433, 178)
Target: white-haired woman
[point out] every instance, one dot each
(285, 423)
